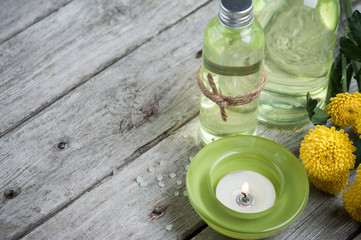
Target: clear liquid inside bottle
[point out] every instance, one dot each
(300, 41)
(234, 58)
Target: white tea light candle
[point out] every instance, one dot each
(246, 192)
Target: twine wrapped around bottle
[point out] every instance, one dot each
(225, 101)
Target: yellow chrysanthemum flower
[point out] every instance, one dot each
(352, 201)
(344, 108)
(357, 125)
(358, 176)
(332, 187)
(327, 153)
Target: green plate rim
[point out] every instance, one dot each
(224, 226)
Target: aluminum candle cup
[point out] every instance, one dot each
(246, 192)
(266, 165)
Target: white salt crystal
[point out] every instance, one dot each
(179, 182)
(172, 175)
(185, 193)
(176, 193)
(151, 169)
(161, 184)
(143, 184)
(139, 179)
(186, 167)
(190, 159)
(115, 171)
(159, 178)
(184, 136)
(169, 227)
(162, 163)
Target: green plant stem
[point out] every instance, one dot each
(347, 7)
(355, 66)
(344, 78)
(356, 69)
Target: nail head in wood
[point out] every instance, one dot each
(61, 145)
(11, 193)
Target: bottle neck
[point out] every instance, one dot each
(233, 19)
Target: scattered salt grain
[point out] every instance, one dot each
(179, 182)
(186, 167)
(162, 163)
(185, 193)
(143, 184)
(161, 184)
(115, 171)
(151, 169)
(172, 175)
(139, 179)
(190, 159)
(159, 178)
(184, 136)
(176, 193)
(169, 227)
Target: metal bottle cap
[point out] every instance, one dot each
(236, 13)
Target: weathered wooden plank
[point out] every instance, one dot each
(104, 124)
(358, 237)
(17, 15)
(122, 195)
(53, 56)
(120, 208)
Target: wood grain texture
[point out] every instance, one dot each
(52, 57)
(102, 211)
(105, 123)
(358, 237)
(17, 15)
(113, 127)
(120, 208)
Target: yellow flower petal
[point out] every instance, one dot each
(352, 201)
(344, 108)
(335, 186)
(357, 125)
(358, 176)
(327, 154)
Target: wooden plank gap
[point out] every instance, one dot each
(143, 149)
(182, 18)
(36, 20)
(196, 232)
(101, 69)
(355, 234)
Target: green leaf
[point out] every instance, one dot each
(357, 153)
(350, 49)
(316, 114)
(320, 117)
(310, 105)
(351, 44)
(354, 23)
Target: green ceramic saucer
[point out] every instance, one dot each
(253, 153)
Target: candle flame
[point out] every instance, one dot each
(245, 187)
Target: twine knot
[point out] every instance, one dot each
(225, 101)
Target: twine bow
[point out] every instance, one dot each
(225, 101)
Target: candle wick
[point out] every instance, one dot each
(244, 194)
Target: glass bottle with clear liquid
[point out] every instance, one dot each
(300, 40)
(233, 48)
